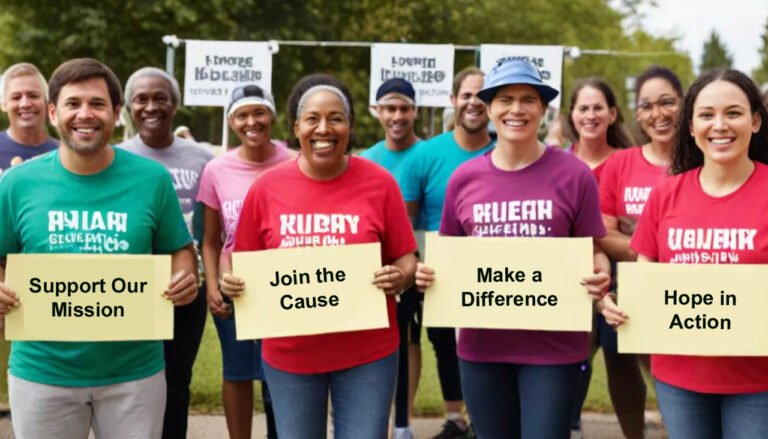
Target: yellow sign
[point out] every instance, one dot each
(694, 309)
(308, 290)
(76, 297)
(509, 283)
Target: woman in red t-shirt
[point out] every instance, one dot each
(328, 197)
(596, 122)
(719, 182)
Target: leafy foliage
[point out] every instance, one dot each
(715, 54)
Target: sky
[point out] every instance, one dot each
(740, 23)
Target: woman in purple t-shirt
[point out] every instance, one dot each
(522, 383)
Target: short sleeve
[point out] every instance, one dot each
(398, 239)
(450, 224)
(207, 192)
(9, 242)
(644, 240)
(587, 221)
(172, 232)
(609, 180)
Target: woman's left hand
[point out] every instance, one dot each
(389, 278)
(597, 284)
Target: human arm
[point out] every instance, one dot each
(615, 244)
(212, 246)
(598, 282)
(396, 277)
(182, 289)
(414, 209)
(8, 298)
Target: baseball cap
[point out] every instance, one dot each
(396, 88)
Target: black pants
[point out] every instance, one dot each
(180, 354)
(409, 324)
(444, 342)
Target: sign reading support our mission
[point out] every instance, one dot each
(214, 68)
(509, 283)
(77, 297)
(549, 60)
(308, 290)
(694, 309)
(428, 67)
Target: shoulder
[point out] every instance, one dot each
(193, 148)
(567, 163)
(437, 142)
(143, 166)
(370, 152)
(30, 170)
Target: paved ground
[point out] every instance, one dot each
(596, 426)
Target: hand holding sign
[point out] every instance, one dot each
(8, 299)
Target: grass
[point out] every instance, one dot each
(206, 382)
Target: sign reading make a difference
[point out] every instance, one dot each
(694, 309)
(89, 297)
(509, 283)
(214, 68)
(548, 59)
(308, 290)
(428, 67)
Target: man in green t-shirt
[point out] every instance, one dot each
(89, 197)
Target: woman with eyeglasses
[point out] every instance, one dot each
(225, 181)
(720, 172)
(626, 183)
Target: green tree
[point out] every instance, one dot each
(715, 54)
(760, 74)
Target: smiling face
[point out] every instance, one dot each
(152, 107)
(24, 100)
(516, 111)
(471, 112)
(591, 114)
(323, 130)
(253, 125)
(84, 116)
(397, 118)
(723, 123)
(657, 105)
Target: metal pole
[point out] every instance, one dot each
(225, 131)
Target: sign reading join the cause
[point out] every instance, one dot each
(214, 68)
(696, 309)
(308, 290)
(549, 60)
(78, 297)
(428, 67)
(509, 283)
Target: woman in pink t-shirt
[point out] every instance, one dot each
(223, 186)
(290, 206)
(719, 182)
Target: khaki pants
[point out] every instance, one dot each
(133, 409)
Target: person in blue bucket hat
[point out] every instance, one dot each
(522, 383)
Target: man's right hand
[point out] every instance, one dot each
(8, 299)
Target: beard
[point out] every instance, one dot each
(86, 149)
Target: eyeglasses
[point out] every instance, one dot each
(664, 104)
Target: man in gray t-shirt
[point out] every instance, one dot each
(152, 98)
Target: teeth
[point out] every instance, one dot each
(721, 141)
(151, 119)
(322, 144)
(85, 130)
(662, 126)
(515, 123)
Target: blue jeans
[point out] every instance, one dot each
(508, 401)
(688, 414)
(360, 396)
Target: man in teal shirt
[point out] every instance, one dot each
(94, 199)
(396, 110)
(425, 178)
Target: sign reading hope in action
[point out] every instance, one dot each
(214, 68)
(428, 67)
(308, 290)
(693, 309)
(509, 283)
(548, 59)
(63, 300)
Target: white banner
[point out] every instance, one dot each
(549, 60)
(428, 67)
(214, 68)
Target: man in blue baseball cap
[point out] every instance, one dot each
(396, 111)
